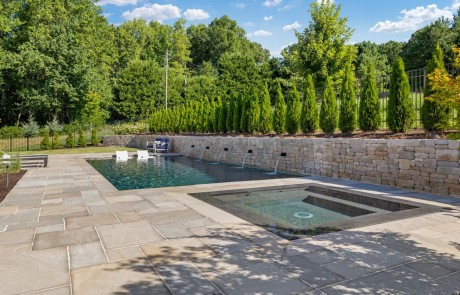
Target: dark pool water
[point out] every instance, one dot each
(175, 171)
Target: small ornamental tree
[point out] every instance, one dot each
(253, 113)
(400, 115)
(328, 113)
(434, 115)
(81, 141)
(94, 137)
(446, 90)
(279, 117)
(347, 118)
(309, 114)
(30, 129)
(266, 117)
(45, 143)
(369, 105)
(55, 144)
(294, 109)
(69, 141)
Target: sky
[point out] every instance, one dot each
(273, 23)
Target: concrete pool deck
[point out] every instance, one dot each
(66, 230)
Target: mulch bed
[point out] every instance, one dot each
(381, 134)
(13, 179)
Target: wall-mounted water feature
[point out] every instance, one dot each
(202, 153)
(245, 156)
(188, 150)
(276, 165)
(219, 157)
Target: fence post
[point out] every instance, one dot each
(11, 143)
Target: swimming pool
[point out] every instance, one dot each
(174, 171)
(295, 211)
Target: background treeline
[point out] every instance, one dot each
(63, 59)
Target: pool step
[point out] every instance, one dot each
(334, 202)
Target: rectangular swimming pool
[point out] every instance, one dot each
(175, 171)
(293, 212)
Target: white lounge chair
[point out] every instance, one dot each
(122, 156)
(142, 155)
(6, 156)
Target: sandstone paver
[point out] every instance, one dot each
(176, 250)
(83, 255)
(90, 221)
(124, 253)
(128, 234)
(65, 238)
(184, 278)
(33, 271)
(258, 278)
(124, 277)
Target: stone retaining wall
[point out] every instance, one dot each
(427, 165)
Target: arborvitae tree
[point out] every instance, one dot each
(81, 137)
(309, 114)
(45, 143)
(69, 141)
(210, 118)
(94, 137)
(328, 113)
(245, 103)
(400, 115)
(223, 117)
(254, 113)
(294, 109)
(279, 117)
(55, 143)
(347, 118)
(230, 111)
(237, 113)
(434, 115)
(216, 115)
(266, 117)
(369, 105)
(202, 116)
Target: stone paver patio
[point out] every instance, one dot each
(65, 230)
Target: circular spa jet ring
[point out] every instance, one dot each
(303, 215)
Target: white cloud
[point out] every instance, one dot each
(272, 3)
(117, 2)
(268, 18)
(415, 18)
(153, 12)
(293, 26)
(249, 24)
(239, 5)
(196, 14)
(260, 33)
(321, 1)
(286, 7)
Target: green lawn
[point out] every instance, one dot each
(86, 150)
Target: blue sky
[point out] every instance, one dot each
(272, 22)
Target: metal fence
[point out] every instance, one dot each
(21, 144)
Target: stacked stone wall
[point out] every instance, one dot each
(426, 165)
